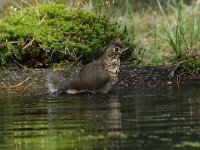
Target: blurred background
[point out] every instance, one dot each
(125, 4)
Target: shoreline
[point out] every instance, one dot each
(34, 81)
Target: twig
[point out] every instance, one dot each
(72, 54)
(20, 65)
(29, 43)
(42, 20)
(171, 74)
(19, 84)
(178, 80)
(12, 42)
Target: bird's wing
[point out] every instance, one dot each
(92, 76)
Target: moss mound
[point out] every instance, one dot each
(52, 33)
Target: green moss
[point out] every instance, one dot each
(52, 33)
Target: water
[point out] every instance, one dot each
(164, 118)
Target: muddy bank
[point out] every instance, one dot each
(36, 81)
(153, 76)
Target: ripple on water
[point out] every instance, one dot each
(125, 119)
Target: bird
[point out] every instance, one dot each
(100, 75)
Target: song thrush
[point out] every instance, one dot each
(98, 76)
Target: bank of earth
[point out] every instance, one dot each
(35, 81)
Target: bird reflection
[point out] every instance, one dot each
(93, 114)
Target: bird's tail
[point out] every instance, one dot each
(56, 82)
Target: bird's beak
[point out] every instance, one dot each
(125, 48)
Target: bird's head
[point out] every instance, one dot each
(114, 50)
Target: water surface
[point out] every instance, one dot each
(146, 118)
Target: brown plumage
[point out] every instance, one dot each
(98, 76)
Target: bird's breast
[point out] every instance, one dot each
(112, 66)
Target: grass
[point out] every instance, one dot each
(182, 35)
(166, 32)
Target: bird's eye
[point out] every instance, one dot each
(116, 49)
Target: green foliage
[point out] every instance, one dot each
(183, 34)
(52, 33)
(191, 65)
(175, 34)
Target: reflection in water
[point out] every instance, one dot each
(92, 116)
(165, 118)
(62, 122)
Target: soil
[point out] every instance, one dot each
(34, 81)
(151, 76)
